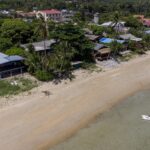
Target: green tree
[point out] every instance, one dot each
(115, 48)
(75, 39)
(133, 22)
(16, 51)
(16, 30)
(5, 43)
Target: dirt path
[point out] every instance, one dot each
(43, 121)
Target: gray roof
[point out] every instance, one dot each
(129, 37)
(40, 46)
(15, 58)
(7, 59)
(98, 46)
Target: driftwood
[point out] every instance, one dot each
(47, 93)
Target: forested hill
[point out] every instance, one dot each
(90, 5)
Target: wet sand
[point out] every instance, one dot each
(38, 122)
(120, 128)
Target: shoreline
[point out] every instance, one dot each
(39, 125)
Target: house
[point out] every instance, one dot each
(128, 37)
(51, 14)
(119, 27)
(11, 65)
(41, 46)
(101, 52)
(67, 15)
(147, 32)
(96, 18)
(92, 37)
(27, 15)
(143, 20)
(109, 40)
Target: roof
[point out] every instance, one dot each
(92, 37)
(105, 50)
(40, 46)
(15, 58)
(129, 37)
(2, 55)
(147, 32)
(98, 46)
(7, 59)
(51, 11)
(109, 40)
(110, 23)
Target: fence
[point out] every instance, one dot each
(12, 72)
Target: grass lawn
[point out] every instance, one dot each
(16, 86)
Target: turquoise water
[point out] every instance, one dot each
(120, 128)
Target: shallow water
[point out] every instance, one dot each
(120, 128)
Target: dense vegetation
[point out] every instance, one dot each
(71, 43)
(107, 6)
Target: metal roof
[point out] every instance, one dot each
(15, 58)
(6, 59)
(98, 46)
(40, 46)
(2, 55)
(109, 40)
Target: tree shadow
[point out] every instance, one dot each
(63, 76)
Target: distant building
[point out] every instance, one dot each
(41, 46)
(119, 27)
(96, 18)
(143, 20)
(131, 37)
(51, 14)
(26, 15)
(11, 65)
(67, 15)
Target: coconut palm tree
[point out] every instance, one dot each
(42, 29)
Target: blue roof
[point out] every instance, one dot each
(15, 58)
(6, 59)
(109, 40)
(147, 32)
(2, 55)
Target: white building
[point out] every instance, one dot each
(51, 14)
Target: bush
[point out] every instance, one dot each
(15, 51)
(5, 44)
(43, 75)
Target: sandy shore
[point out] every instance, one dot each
(39, 121)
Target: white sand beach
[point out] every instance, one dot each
(36, 121)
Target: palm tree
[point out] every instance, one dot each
(116, 19)
(42, 28)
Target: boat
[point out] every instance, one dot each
(146, 117)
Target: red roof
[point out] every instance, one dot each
(51, 11)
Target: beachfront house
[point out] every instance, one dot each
(50, 14)
(40, 47)
(11, 65)
(119, 27)
(92, 37)
(143, 20)
(127, 37)
(101, 52)
(110, 40)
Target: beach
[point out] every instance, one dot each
(37, 122)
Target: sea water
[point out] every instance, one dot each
(120, 128)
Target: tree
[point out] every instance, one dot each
(16, 30)
(115, 48)
(133, 22)
(15, 51)
(75, 39)
(61, 59)
(5, 44)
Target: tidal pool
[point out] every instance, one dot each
(120, 128)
